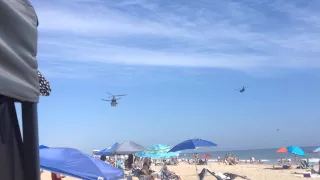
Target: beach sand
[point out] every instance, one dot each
(254, 172)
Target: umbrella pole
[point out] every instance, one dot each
(195, 162)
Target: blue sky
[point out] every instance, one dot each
(179, 62)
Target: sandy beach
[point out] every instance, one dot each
(254, 172)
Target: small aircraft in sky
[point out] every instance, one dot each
(114, 99)
(241, 90)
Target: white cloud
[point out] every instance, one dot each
(223, 34)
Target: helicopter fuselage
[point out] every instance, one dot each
(114, 102)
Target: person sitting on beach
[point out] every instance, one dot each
(146, 172)
(56, 176)
(169, 174)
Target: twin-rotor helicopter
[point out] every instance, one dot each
(241, 90)
(113, 100)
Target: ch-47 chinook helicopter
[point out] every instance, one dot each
(114, 99)
(241, 90)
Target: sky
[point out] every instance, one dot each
(180, 63)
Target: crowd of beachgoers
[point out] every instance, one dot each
(228, 167)
(204, 167)
(142, 167)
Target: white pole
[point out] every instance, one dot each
(195, 162)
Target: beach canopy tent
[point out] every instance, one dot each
(72, 162)
(127, 148)
(20, 81)
(108, 151)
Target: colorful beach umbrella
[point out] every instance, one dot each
(158, 151)
(192, 144)
(292, 149)
(207, 156)
(160, 155)
(159, 148)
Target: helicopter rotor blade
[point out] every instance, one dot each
(118, 98)
(110, 94)
(121, 95)
(105, 100)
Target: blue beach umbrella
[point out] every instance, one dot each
(295, 150)
(158, 151)
(108, 151)
(317, 150)
(192, 144)
(72, 162)
(43, 146)
(159, 155)
(159, 148)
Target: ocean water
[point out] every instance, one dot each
(268, 156)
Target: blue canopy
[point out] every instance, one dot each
(192, 144)
(108, 151)
(72, 162)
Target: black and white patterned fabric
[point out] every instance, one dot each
(45, 88)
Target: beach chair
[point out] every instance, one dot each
(202, 162)
(304, 165)
(135, 171)
(165, 176)
(221, 176)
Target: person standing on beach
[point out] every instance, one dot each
(56, 176)
(196, 157)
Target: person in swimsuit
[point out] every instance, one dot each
(56, 176)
